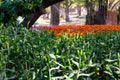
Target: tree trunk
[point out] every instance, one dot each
(67, 18)
(31, 19)
(118, 16)
(90, 12)
(100, 17)
(55, 14)
(79, 10)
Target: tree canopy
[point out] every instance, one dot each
(11, 9)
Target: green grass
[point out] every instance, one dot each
(80, 17)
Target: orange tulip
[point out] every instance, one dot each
(75, 29)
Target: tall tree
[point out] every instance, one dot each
(78, 4)
(113, 4)
(103, 10)
(103, 7)
(66, 5)
(29, 9)
(90, 11)
(78, 10)
(100, 16)
(119, 16)
(55, 14)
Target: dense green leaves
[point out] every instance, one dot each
(30, 55)
(11, 9)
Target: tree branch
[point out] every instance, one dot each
(30, 20)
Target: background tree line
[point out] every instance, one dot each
(93, 17)
(32, 10)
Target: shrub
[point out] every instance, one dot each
(30, 55)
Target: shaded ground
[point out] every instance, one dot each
(74, 19)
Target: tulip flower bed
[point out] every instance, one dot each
(79, 30)
(82, 30)
(32, 55)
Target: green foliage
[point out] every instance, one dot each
(11, 9)
(30, 55)
(79, 2)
